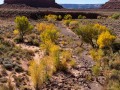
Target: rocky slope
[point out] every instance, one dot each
(35, 3)
(111, 4)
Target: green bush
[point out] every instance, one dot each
(96, 70)
(23, 26)
(81, 17)
(67, 17)
(115, 16)
(88, 34)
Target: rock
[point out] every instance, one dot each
(101, 80)
(18, 69)
(8, 65)
(35, 3)
(111, 4)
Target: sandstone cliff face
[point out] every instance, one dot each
(34, 3)
(111, 4)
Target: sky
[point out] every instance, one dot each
(77, 1)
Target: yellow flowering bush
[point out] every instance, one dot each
(37, 74)
(66, 60)
(45, 26)
(49, 35)
(100, 28)
(96, 54)
(41, 71)
(51, 18)
(105, 39)
(41, 27)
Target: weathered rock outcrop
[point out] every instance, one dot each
(35, 3)
(111, 4)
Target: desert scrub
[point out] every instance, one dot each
(96, 70)
(115, 16)
(59, 17)
(49, 35)
(87, 33)
(66, 22)
(45, 26)
(105, 39)
(66, 60)
(52, 50)
(81, 17)
(51, 18)
(100, 28)
(22, 26)
(90, 33)
(73, 24)
(9, 50)
(68, 17)
(37, 74)
(97, 54)
(42, 70)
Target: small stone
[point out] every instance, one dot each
(18, 69)
(8, 66)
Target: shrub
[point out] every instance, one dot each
(66, 22)
(67, 17)
(41, 71)
(96, 70)
(23, 26)
(96, 54)
(105, 39)
(114, 75)
(88, 34)
(41, 27)
(81, 17)
(73, 24)
(55, 53)
(45, 26)
(59, 17)
(99, 17)
(67, 61)
(115, 16)
(115, 64)
(51, 18)
(48, 63)
(49, 35)
(114, 86)
(100, 28)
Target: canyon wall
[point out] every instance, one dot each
(111, 4)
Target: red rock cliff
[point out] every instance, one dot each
(111, 4)
(34, 3)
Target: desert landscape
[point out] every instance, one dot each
(44, 46)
